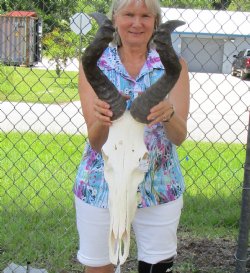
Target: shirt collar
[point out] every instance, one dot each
(110, 60)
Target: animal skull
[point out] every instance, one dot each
(124, 155)
(125, 149)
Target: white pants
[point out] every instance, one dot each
(154, 227)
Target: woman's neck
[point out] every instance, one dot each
(132, 54)
(133, 59)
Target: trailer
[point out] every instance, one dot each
(20, 38)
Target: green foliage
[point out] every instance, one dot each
(198, 4)
(94, 5)
(56, 14)
(239, 5)
(60, 46)
(55, 11)
(52, 12)
(9, 5)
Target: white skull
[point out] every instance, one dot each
(125, 155)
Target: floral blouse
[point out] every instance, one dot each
(163, 182)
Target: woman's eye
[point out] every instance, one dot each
(147, 16)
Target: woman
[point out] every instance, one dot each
(132, 65)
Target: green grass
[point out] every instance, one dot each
(37, 174)
(36, 85)
(213, 174)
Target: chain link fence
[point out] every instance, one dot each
(43, 133)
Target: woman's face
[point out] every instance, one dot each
(135, 24)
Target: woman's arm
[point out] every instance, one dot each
(178, 99)
(96, 113)
(176, 128)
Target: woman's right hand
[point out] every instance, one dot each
(102, 112)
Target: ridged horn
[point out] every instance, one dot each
(103, 87)
(141, 106)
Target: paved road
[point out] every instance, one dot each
(219, 110)
(42, 118)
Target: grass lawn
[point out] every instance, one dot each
(37, 214)
(214, 175)
(37, 85)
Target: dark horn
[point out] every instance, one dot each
(141, 106)
(99, 17)
(103, 87)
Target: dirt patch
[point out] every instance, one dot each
(207, 255)
(195, 255)
(200, 255)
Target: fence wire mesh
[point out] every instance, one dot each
(42, 131)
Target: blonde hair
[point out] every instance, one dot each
(152, 5)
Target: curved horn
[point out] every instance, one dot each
(103, 87)
(141, 106)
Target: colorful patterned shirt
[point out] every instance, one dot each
(163, 182)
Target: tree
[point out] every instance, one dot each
(89, 6)
(187, 4)
(239, 5)
(221, 4)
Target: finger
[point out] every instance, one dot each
(161, 106)
(103, 112)
(105, 120)
(102, 108)
(155, 121)
(156, 108)
(156, 115)
(101, 103)
(161, 115)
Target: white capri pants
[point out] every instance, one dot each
(155, 230)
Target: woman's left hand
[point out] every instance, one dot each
(160, 112)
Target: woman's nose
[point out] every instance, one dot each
(137, 21)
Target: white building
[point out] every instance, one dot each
(210, 38)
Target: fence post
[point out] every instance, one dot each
(241, 254)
